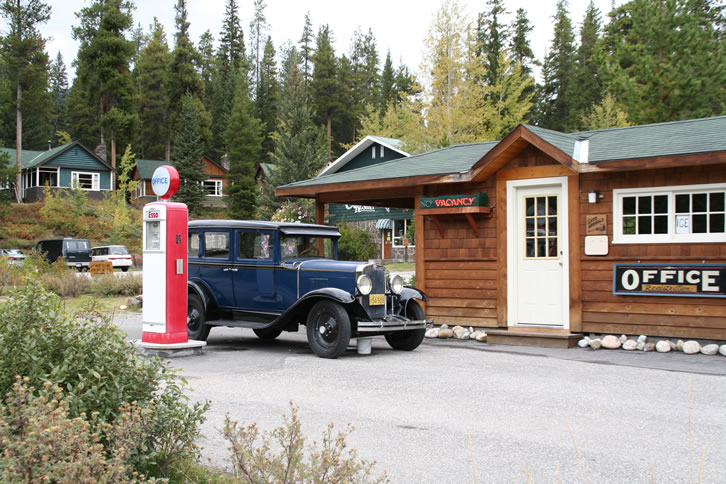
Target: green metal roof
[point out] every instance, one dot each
(453, 159)
(396, 143)
(31, 159)
(146, 167)
(703, 135)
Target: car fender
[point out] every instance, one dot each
(198, 288)
(297, 313)
(412, 293)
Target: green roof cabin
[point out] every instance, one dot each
(544, 236)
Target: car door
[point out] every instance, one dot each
(215, 265)
(254, 275)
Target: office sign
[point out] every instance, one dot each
(695, 280)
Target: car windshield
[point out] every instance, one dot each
(306, 246)
(119, 250)
(14, 252)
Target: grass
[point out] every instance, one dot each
(107, 305)
(401, 266)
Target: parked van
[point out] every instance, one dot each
(76, 252)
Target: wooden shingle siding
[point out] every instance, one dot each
(681, 317)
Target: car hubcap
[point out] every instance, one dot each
(193, 320)
(327, 329)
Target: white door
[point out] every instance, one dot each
(537, 248)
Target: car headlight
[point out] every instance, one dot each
(397, 284)
(365, 284)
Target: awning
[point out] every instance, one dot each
(384, 224)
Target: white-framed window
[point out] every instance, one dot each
(400, 227)
(688, 213)
(48, 176)
(85, 181)
(373, 152)
(382, 150)
(213, 188)
(140, 189)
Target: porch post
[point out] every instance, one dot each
(319, 211)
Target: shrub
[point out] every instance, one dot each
(355, 243)
(109, 285)
(65, 284)
(96, 367)
(254, 461)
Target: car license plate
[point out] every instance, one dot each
(377, 299)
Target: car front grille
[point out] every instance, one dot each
(379, 287)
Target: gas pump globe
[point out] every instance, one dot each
(165, 266)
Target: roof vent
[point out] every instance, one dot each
(582, 151)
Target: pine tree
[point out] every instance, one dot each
(665, 61)
(364, 76)
(266, 101)
(587, 89)
(243, 145)
(324, 85)
(206, 66)
(59, 96)
(300, 148)
(558, 73)
(153, 111)
(306, 49)
(387, 92)
(492, 37)
(187, 152)
(25, 59)
(258, 29)
(519, 47)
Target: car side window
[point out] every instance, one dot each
(254, 245)
(216, 245)
(193, 247)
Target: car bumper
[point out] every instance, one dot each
(391, 324)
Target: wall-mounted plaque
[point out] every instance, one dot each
(596, 225)
(697, 280)
(596, 245)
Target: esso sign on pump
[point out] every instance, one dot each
(165, 266)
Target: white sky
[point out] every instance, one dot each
(398, 25)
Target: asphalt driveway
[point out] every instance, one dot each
(468, 412)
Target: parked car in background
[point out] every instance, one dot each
(274, 277)
(76, 252)
(15, 256)
(118, 255)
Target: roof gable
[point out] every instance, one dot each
(146, 168)
(70, 155)
(391, 144)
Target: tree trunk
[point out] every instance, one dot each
(330, 136)
(167, 151)
(19, 144)
(113, 161)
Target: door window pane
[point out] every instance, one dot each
(216, 245)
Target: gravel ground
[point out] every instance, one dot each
(461, 412)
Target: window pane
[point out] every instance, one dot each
(717, 223)
(530, 247)
(540, 205)
(530, 206)
(660, 224)
(644, 225)
(717, 202)
(541, 248)
(246, 242)
(629, 225)
(628, 205)
(553, 246)
(644, 205)
(541, 226)
(216, 244)
(530, 227)
(661, 204)
(699, 202)
(699, 223)
(683, 203)
(552, 227)
(552, 205)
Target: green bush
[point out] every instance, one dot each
(65, 284)
(355, 243)
(97, 369)
(109, 285)
(253, 459)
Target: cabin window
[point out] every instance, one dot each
(373, 152)
(213, 188)
(48, 176)
(400, 227)
(382, 148)
(693, 213)
(85, 181)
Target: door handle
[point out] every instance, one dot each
(232, 269)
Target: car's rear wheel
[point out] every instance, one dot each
(267, 334)
(328, 329)
(409, 340)
(197, 327)
(124, 269)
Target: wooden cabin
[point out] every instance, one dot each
(215, 185)
(552, 234)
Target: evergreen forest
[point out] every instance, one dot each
(237, 98)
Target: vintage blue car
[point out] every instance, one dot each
(273, 277)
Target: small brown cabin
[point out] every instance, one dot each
(616, 231)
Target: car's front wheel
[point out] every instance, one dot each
(328, 329)
(267, 334)
(197, 327)
(409, 340)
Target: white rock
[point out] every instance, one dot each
(476, 333)
(445, 333)
(672, 345)
(641, 345)
(595, 344)
(584, 342)
(630, 345)
(611, 342)
(663, 346)
(679, 345)
(642, 338)
(482, 338)
(432, 333)
(722, 350)
(623, 338)
(122, 307)
(691, 347)
(460, 333)
(444, 326)
(711, 349)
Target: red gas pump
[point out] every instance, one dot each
(165, 266)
